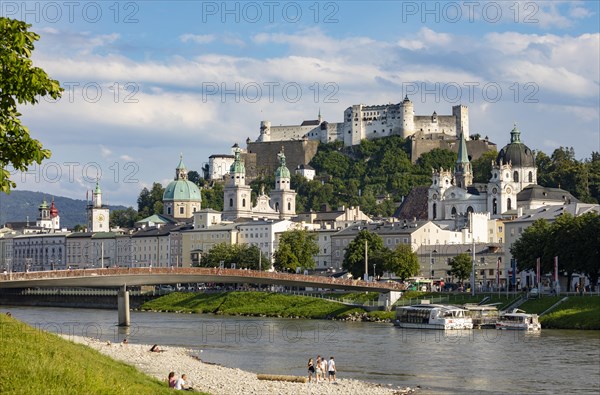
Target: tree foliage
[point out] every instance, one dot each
(20, 83)
(403, 262)
(575, 240)
(482, 166)
(244, 256)
(462, 266)
(297, 249)
(150, 201)
(124, 218)
(354, 257)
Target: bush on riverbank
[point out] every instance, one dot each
(248, 303)
(36, 362)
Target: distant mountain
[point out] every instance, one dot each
(19, 205)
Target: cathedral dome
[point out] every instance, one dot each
(516, 152)
(182, 190)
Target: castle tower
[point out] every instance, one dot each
(237, 196)
(98, 215)
(463, 172)
(408, 117)
(265, 131)
(461, 115)
(181, 198)
(283, 198)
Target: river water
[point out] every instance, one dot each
(479, 361)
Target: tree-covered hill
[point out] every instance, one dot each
(18, 205)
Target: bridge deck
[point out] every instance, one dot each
(115, 277)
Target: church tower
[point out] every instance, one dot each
(463, 172)
(237, 196)
(98, 214)
(441, 181)
(283, 198)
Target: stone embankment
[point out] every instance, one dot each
(218, 380)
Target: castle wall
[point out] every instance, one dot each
(440, 124)
(265, 155)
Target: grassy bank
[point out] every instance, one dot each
(575, 313)
(36, 362)
(250, 303)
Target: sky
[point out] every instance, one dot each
(148, 81)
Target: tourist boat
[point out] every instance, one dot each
(518, 320)
(483, 316)
(432, 316)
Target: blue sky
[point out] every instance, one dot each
(143, 78)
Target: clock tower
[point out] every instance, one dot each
(97, 213)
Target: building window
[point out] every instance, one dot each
(169, 210)
(516, 176)
(289, 206)
(530, 177)
(434, 210)
(181, 209)
(243, 202)
(495, 206)
(230, 202)
(509, 204)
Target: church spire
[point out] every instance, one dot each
(463, 172)
(180, 170)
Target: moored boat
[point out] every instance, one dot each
(432, 316)
(518, 320)
(483, 316)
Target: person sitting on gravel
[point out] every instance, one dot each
(156, 348)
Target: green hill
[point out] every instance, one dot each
(18, 205)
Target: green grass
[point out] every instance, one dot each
(37, 362)
(249, 303)
(538, 306)
(356, 297)
(414, 297)
(382, 315)
(574, 313)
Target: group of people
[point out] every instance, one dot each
(179, 383)
(322, 369)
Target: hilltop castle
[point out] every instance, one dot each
(371, 122)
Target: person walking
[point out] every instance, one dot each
(311, 369)
(331, 369)
(324, 367)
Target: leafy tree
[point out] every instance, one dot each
(354, 258)
(124, 218)
(195, 177)
(20, 83)
(437, 158)
(150, 201)
(297, 248)
(403, 262)
(482, 166)
(220, 252)
(79, 228)
(244, 256)
(533, 244)
(461, 266)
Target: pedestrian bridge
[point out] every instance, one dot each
(124, 277)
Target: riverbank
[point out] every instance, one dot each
(36, 362)
(219, 380)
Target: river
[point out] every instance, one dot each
(480, 361)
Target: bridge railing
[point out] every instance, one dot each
(310, 280)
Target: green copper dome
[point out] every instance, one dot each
(516, 152)
(182, 190)
(282, 171)
(237, 167)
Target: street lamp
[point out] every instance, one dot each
(473, 270)
(374, 275)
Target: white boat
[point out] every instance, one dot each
(432, 316)
(518, 320)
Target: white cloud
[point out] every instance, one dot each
(197, 38)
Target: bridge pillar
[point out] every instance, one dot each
(123, 305)
(389, 298)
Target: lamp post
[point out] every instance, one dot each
(374, 275)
